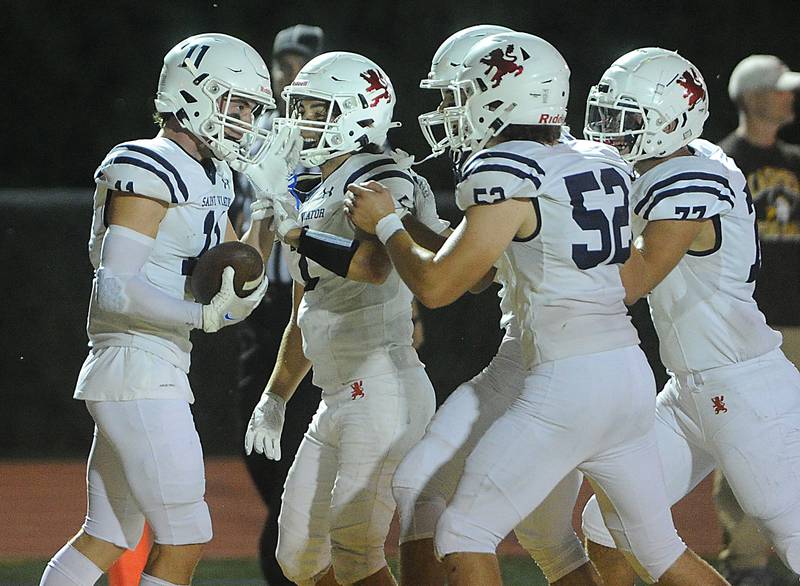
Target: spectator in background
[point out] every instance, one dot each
(260, 336)
(762, 87)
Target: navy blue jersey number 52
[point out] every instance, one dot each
(615, 248)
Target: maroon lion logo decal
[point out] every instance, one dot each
(503, 63)
(694, 91)
(376, 83)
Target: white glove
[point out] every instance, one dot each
(261, 209)
(227, 307)
(265, 427)
(270, 175)
(286, 217)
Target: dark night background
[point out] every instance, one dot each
(79, 77)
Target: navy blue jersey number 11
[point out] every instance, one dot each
(615, 247)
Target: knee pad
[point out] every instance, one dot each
(301, 558)
(124, 531)
(182, 524)
(351, 566)
(649, 556)
(456, 533)
(594, 525)
(789, 552)
(418, 513)
(556, 560)
(357, 541)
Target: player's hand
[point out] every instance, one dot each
(265, 427)
(367, 203)
(286, 221)
(226, 307)
(270, 174)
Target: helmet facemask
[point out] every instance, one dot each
(463, 131)
(432, 123)
(228, 136)
(638, 133)
(621, 125)
(322, 139)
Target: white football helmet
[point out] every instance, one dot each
(360, 100)
(649, 103)
(444, 67)
(200, 77)
(507, 78)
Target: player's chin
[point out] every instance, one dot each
(234, 136)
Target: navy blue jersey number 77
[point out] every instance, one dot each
(615, 247)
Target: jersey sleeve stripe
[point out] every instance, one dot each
(121, 159)
(392, 173)
(506, 169)
(164, 162)
(503, 155)
(662, 195)
(711, 177)
(366, 169)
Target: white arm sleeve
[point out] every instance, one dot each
(123, 288)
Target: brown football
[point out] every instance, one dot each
(206, 278)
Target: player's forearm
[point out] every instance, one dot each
(422, 235)
(260, 236)
(370, 263)
(417, 268)
(122, 288)
(632, 275)
(484, 282)
(291, 365)
(640, 274)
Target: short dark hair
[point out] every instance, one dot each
(547, 134)
(372, 149)
(161, 119)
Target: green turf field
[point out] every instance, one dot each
(517, 571)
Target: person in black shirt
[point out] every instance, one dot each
(762, 87)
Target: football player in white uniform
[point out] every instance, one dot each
(733, 399)
(352, 323)
(588, 390)
(159, 204)
(427, 477)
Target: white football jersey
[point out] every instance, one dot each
(563, 282)
(704, 310)
(198, 196)
(351, 329)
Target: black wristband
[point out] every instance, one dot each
(332, 252)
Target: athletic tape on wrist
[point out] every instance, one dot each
(387, 226)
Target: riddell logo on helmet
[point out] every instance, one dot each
(503, 63)
(376, 83)
(300, 82)
(548, 119)
(694, 89)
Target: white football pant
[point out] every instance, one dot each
(744, 418)
(593, 413)
(337, 500)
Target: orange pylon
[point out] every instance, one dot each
(127, 570)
